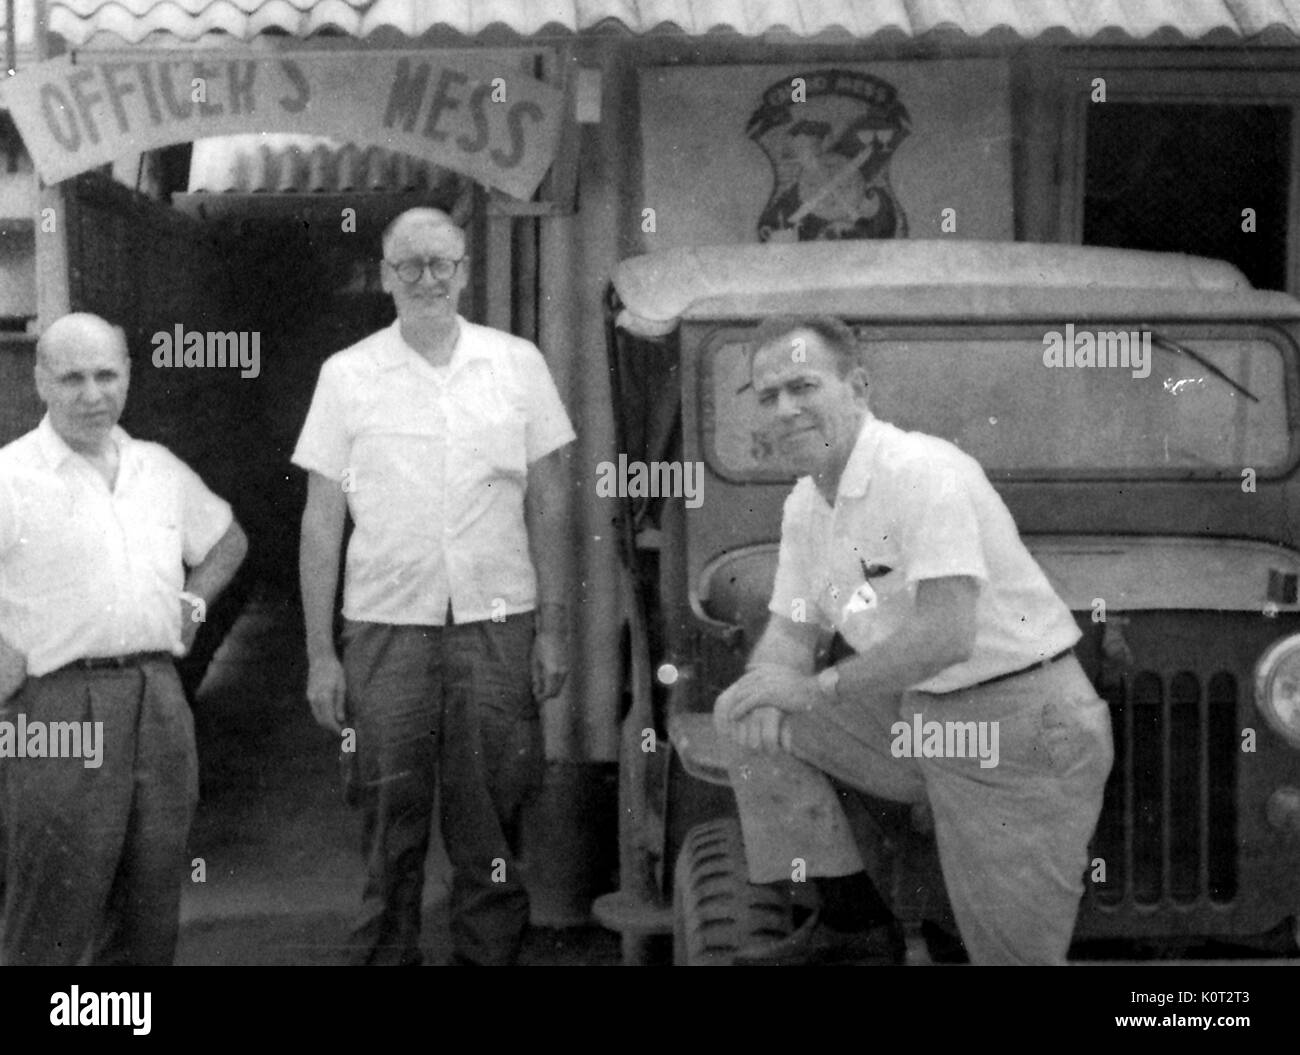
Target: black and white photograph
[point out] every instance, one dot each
(651, 483)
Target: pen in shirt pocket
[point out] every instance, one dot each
(873, 571)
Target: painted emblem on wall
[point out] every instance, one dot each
(830, 135)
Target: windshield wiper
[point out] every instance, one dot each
(1161, 341)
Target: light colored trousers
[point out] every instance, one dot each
(1012, 838)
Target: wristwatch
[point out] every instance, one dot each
(829, 683)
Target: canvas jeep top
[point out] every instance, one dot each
(1159, 493)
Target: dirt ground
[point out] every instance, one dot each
(279, 849)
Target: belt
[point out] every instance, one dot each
(1010, 674)
(133, 659)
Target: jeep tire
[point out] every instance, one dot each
(716, 910)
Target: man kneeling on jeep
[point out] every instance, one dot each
(898, 541)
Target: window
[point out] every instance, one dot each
(1182, 142)
(987, 389)
(1176, 178)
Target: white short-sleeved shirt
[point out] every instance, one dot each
(86, 571)
(913, 507)
(435, 464)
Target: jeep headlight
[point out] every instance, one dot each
(1277, 687)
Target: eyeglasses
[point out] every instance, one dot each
(410, 271)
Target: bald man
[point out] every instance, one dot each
(443, 441)
(98, 774)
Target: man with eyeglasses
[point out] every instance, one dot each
(443, 440)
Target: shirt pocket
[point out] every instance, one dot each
(153, 532)
(488, 433)
(866, 580)
(156, 538)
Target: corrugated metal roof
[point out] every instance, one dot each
(297, 164)
(78, 21)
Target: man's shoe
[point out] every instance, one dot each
(816, 943)
(942, 945)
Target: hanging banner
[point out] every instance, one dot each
(480, 116)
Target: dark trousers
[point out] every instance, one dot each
(445, 711)
(93, 858)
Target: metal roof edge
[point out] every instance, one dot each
(1231, 22)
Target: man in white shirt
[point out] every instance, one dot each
(443, 441)
(98, 773)
(898, 542)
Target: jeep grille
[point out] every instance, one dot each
(1168, 829)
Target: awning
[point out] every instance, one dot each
(288, 164)
(1206, 21)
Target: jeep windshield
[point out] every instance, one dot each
(1072, 400)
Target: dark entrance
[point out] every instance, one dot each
(1177, 177)
(299, 270)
